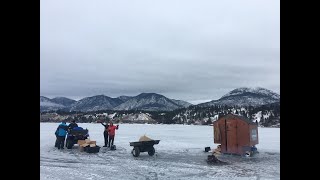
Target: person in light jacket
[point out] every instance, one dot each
(61, 134)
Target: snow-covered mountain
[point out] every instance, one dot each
(149, 101)
(124, 98)
(246, 97)
(253, 91)
(63, 101)
(182, 103)
(156, 102)
(143, 101)
(95, 103)
(47, 104)
(44, 101)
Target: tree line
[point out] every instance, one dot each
(270, 114)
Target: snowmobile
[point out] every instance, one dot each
(75, 134)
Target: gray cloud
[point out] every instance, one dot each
(188, 50)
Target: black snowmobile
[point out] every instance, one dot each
(75, 134)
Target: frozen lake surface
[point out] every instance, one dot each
(179, 155)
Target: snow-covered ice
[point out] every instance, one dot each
(179, 155)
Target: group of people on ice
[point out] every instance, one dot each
(63, 129)
(109, 133)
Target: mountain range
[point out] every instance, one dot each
(246, 97)
(157, 102)
(143, 101)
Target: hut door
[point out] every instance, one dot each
(223, 135)
(231, 136)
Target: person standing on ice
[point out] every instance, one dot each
(72, 125)
(112, 133)
(57, 140)
(61, 134)
(105, 133)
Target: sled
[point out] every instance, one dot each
(212, 159)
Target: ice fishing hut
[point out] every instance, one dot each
(236, 134)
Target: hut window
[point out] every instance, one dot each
(253, 134)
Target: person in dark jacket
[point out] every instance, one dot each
(61, 134)
(112, 133)
(72, 125)
(105, 133)
(57, 141)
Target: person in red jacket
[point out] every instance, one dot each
(112, 132)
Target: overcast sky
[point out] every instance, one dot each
(192, 50)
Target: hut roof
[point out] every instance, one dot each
(240, 117)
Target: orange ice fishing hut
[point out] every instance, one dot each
(236, 134)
